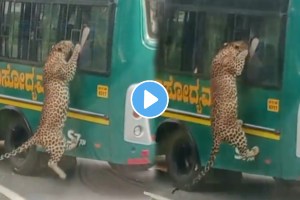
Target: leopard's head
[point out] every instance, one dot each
(65, 47)
(232, 56)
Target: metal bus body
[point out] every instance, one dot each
(268, 90)
(117, 54)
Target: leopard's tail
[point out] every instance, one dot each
(205, 170)
(20, 149)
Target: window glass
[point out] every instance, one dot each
(256, 5)
(28, 30)
(191, 39)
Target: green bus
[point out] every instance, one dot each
(118, 53)
(190, 34)
(172, 42)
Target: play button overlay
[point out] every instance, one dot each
(149, 99)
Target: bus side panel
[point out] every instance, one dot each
(21, 87)
(268, 161)
(290, 103)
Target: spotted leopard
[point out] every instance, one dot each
(59, 70)
(226, 127)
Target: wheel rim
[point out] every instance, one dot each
(183, 157)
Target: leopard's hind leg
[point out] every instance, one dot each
(56, 152)
(237, 138)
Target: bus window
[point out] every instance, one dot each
(9, 29)
(4, 28)
(192, 36)
(21, 37)
(25, 35)
(28, 30)
(48, 28)
(173, 42)
(190, 40)
(178, 42)
(265, 68)
(72, 19)
(94, 50)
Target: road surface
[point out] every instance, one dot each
(96, 180)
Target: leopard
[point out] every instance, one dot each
(227, 65)
(58, 71)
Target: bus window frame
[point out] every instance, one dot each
(110, 4)
(147, 39)
(74, 2)
(245, 12)
(109, 45)
(203, 75)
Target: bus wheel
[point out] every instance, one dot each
(18, 132)
(67, 163)
(182, 160)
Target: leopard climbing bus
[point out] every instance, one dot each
(190, 34)
(118, 51)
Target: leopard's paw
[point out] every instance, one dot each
(77, 48)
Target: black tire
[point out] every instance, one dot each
(183, 161)
(67, 163)
(18, 132)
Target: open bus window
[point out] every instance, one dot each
(191, 38)
(28, 30)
